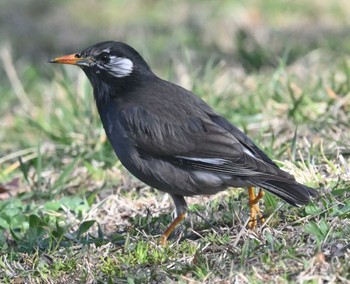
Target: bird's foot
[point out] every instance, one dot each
(164, 238)
(255, 213)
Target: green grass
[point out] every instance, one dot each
(69, 212)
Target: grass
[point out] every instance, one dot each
(69, 212)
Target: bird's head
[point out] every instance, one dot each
(112, 67)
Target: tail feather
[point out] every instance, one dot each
(292, 192)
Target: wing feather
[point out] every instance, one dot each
(196, 142)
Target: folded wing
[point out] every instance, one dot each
(208, 143)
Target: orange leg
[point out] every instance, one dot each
(255, 213)
(170, 229)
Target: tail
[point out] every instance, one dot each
(292, 192)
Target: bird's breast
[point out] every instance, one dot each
(117, 136)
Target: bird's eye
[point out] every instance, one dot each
(104, 58)
(77, 55)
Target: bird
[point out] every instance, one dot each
(172, 140)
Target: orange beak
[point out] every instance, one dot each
(72, 59)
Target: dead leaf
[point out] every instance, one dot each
(9, 189)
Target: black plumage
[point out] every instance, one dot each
(169, 138)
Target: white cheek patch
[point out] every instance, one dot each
(119, 66)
